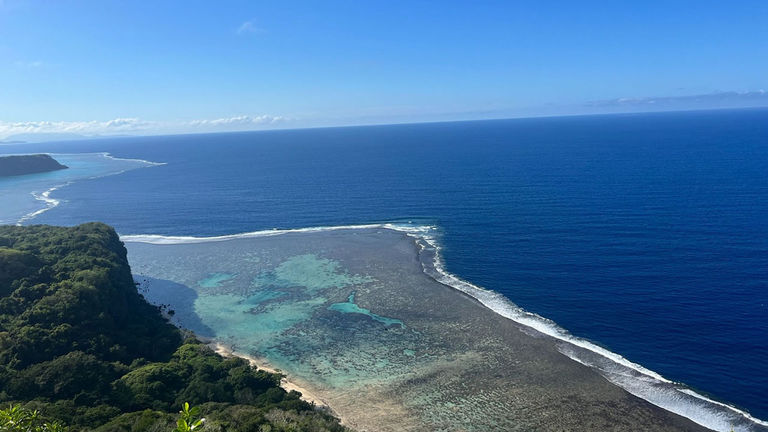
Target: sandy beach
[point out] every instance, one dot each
(365, 332)
(287, 383)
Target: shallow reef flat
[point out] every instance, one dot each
(352, 316)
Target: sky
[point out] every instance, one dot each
(115, 67)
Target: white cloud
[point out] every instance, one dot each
(249, 27)
(725, 99)
(28, 64)
(120, 126)
(239, 121)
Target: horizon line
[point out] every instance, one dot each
(77, 137)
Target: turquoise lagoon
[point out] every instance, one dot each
(288, 300)
(350, 306)
(363, 318)
(25, 197)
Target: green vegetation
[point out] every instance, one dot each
(18, 419)
(81, 346)
(28, 164)
(188, 420)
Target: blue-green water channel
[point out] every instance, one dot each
(355, 316)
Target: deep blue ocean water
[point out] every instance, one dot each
(644, 233)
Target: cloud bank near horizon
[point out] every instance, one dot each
(55, 130)
(136, 126)
(730, 99)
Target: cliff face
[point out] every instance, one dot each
(28, 164)
(80, 344)
(71, 289)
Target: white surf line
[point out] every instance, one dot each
(499, 304)
(104, 154)
(161, 239)
(109, 156)
(734, 409)
(51, 203)
(46, 198)
(506, 308)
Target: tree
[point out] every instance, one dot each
(18, 419)
(187, 419)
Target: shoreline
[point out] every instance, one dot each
(286, 383)
(664, 394)
(49, 203)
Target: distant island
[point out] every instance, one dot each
(28, 164)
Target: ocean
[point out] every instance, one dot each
(646, 234)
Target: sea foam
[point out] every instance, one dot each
(634, 378)
(50, 203)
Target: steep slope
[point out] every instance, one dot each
(81, 345)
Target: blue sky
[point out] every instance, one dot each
(105, 66)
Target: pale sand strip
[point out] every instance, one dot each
(286, 383)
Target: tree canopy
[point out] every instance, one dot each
(80, 345)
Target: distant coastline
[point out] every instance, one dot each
(11, 166)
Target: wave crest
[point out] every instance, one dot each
(634, 378)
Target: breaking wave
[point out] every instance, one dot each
(634, 378)
(50, 203)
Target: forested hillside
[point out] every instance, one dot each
(79, 344)
(28, 164)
